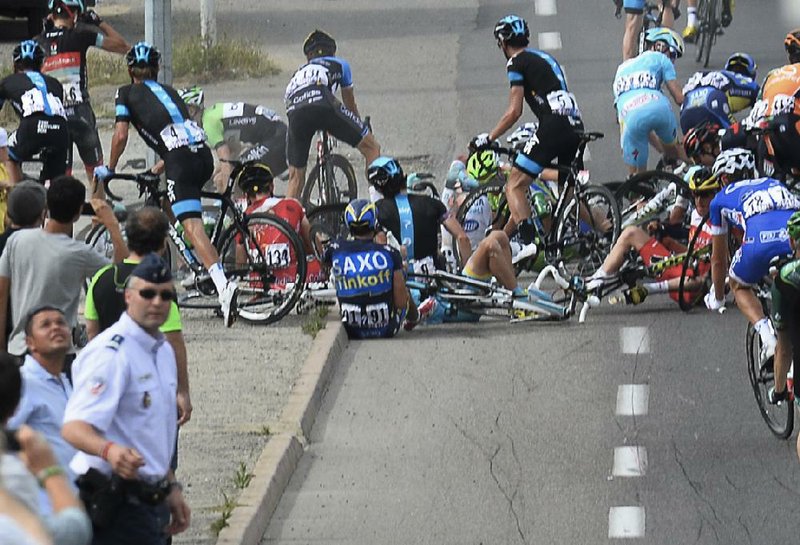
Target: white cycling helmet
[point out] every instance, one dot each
(524, 132)
(737, 163)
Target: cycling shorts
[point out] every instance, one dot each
(468, 272)
(187, 170)
(388, 331)
(83, 133)
(43, 135)
(633, 6)
(328, 115)
(556, 138)
(706, 105)
(272, 152)
(784, 145)
(639, 116)
(751, 261)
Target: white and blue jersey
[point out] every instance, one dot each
(713, 96)
(641, 106)
(760, 208)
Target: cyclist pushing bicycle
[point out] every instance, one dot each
(162, 120)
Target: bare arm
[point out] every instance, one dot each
(512, 114)
(675, 89)
(83, 436)
(38, 455)
(118, 143)
(399, 291)
(224, 169)
(178, 344)
(719, 262)
(92, 328)
(349, 99)
(113, 40)
(106, 216)
(462, 240)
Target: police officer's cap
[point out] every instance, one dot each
(153, 269)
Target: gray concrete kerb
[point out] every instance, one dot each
(283, 451)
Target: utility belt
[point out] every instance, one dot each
(103, 495)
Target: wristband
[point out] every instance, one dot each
(175, 485)
(106, 448)
(48, 472)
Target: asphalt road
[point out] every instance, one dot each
(493, 433)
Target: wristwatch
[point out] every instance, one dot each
(175, 484)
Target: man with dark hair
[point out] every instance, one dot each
(105, 299)
(47, 266)
(45, 386)
(26, 209)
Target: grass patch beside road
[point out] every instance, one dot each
(227, 59)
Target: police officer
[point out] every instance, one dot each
(122, 419)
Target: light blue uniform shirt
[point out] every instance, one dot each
(640, 75)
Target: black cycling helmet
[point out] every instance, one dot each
(143, 55)
(510, 27)
(319, 43)
(792, 44)
(705, 133)
(254, 177)
(69, 8)
(28, 54)
(386, 175)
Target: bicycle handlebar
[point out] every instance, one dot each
(142, 178)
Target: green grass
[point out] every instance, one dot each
(242, 478)
(227, 59)
(225, 513)
(315, 321)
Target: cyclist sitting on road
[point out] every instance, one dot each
(702, 143)
(760, 208)
(538, 79)
(715, 95)
(311, 106)
(161, 118)
(413, 220)
(238, 131)
(72, 32)
(256, 182)
(37, 100)
(641, 106)
(690, 32)
(785, 307)
(634, 20)
(653, 244)
(369, 278)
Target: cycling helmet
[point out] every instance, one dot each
(523, 133)
(142, 55)
(510, 27)
(668, 36)
(792, 43)
(66, 7)
(253, 177)
(193, 96)
(701, 180)
(319, 42)
(482, 165)
(360, 216)
(742, 63)
(386, 175)
(705, 133)
(793, 226)
(28, 54)
(734, 164)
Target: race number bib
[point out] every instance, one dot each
(308, 76)
(178, 135)
(637, 80)
(370, 317)
(232, 109)
(563, 103)
(33, 101)
(72, 93)
(277, 255)
(423, 266)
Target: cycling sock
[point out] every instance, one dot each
(691, 16)
(218, 276)
(764, 329)
(657, 287)
(527, 231)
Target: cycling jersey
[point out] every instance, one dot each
(414, 220)
(785, 308)
(714, 96)
(66, 58)
(760, 208)
(780, 99)
(641, 107)
(33, 95)
(363, 273)
(274, 244)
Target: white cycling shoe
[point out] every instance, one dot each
(227, 302)
(524, 252)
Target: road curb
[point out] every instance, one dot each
(279, 459)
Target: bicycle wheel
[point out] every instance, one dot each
(780, 417)
(583, 240)
(337, 178)
(695, 268)
(265, 256)
(327, 224)
(642, 187)
(708, 30)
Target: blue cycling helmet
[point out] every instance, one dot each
(742, 63)
(668, 36)
(510, 27)
(66, 7)
(142, 55)
(361, 216)
(28, 54)
(386, 175)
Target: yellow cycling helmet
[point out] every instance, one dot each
(482, 165)
(701, 180)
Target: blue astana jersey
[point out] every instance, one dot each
(643, 74)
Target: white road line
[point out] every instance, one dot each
(545, 7)
(630, 462)
(635, 340)
(549, 40)
(633, 399)
(626, 522)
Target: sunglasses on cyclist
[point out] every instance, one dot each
(150, 293)
(702, 194)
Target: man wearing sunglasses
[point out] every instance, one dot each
(121, 418)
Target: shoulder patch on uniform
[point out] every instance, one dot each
(114, 342)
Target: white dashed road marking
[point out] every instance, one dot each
(545, 7)
(549, 40)
(630, 462)
(626, 522)
(635, 340)
(633, 399)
